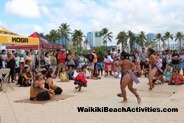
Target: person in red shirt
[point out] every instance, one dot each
(61, 59)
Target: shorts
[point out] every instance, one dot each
(17, 70)
(100, 65)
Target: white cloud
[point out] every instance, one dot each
(25, 29)
(23, 8)
(117, 15)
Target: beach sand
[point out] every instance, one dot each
(99, 93)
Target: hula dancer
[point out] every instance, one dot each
(154, 67)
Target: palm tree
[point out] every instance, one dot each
(77, 38)
(141, 39)
(168, 36)
(107, 36)
(159, 38)
(122, 38)
(53, 36)
(179, 37)
(64, 31)
(132, 39)
(42, 35)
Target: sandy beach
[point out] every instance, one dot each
(99, 93)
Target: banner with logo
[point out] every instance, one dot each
(17, 40)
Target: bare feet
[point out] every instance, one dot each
(76, 88)
(124, 101)
(79, 89)
(150, 88)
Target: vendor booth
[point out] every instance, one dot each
(43, 44)
(10, 38)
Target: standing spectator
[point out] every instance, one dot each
(17, 64)
(168, 58)
(90, 58)
(1, 61)
(28, 57)
(82, 60)
(163, 57)
(76, 59)
(33, 58)
(41, 58)
(108, 64)
(11, 64)
(113, 52)
(132, 57)
(94, 60)
(143, 56)
(70, 59)
(61, 59)
(54, 63)
(4, 57)
(175, 60)
(181, 65)
(47, 59)
(100, 63)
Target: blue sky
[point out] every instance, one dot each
(27, 16)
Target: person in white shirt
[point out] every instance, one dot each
(108, 64)
(47, 59)
(4, 57)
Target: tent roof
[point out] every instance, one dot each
(44, 44)
(9, 38)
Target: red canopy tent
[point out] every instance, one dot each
(44, 44)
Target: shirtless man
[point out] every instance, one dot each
(127, 77)
(154, 69)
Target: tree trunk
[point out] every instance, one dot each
(168, 44)
(122, 47)
(159, 45)
(180, 46)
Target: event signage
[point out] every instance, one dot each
(20, 40)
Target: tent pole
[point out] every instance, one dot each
(39, 56)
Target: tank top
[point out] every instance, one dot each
(34, 91)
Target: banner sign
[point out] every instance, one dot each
(18, 40)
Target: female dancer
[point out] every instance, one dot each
(154, 68)
(127, 77)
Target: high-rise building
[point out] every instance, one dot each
(94, 39)
(150, 36)
(90, 38)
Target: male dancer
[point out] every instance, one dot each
(127, 77)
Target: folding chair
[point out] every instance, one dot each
(4, 80)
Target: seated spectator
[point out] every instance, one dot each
(38, 91)
(167, 74)
(87, 74)
(95, 75)
(176, 78)
(63, 75)
(50, 85)
(137, 70)
(146, 68)
(25, 77)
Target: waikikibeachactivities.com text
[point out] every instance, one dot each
(127, 109)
